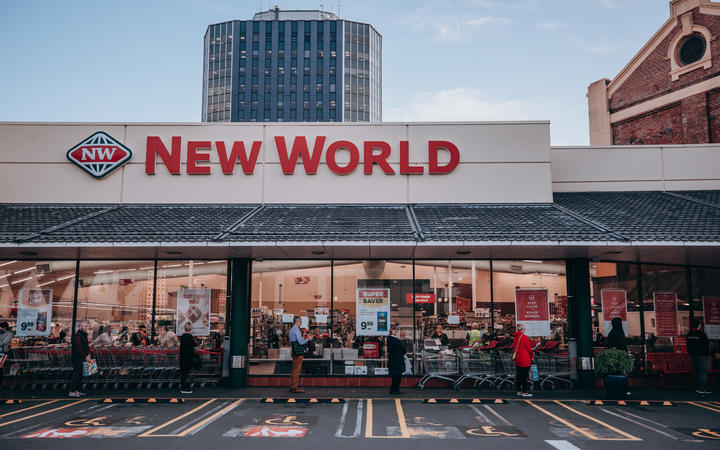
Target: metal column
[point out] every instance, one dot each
(240, 320)
(578, 290)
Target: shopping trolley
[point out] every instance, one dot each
(475, 365)
(552, 369)
(505, 373)
(443, 366)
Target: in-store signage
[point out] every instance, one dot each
(99, 155)
(375, 153)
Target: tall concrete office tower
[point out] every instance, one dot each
(292, 66)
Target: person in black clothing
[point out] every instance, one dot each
(80, 354)
(616, 337)
(440, 334)
(140, 337)
(698, 347)
(396, 360)
(187, 355)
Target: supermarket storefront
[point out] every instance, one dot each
(139, 228)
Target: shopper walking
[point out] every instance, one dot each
(616, 337)
(187, 357)
(297, 349)
(523, 356)
(698, 347)
(80, 354)
(396, 360)
(103, 336)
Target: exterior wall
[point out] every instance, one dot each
(654, 99)
(636, 168)
(520, 173)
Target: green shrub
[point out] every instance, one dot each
(613, 362)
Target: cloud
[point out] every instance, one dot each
(462, 104)
(611, 4)
(551, 26)
(601, 47)
(445, 27)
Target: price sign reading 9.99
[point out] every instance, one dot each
(34, 312)
(373, 312)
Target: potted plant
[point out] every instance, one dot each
(614, 365)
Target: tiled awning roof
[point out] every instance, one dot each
(573, 217)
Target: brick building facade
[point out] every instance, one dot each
(669, 93)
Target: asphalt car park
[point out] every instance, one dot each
(145, 423)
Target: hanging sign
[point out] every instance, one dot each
(193, 307)
(420, 299)
(532, 309)
(34, 313)
(711, 311)
(614, 304)
(373, 312)
(666, 323)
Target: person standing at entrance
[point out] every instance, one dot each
(297, 349)
(698, 347)
(80, 354)
(187, 356)
(522, 355)
(616, 336)
(440, 334)
(396, 360)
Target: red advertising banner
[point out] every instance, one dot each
(666, 323)
(462, 304)
(533, 310)
(711, 312)
(420, 298)
(614, 304)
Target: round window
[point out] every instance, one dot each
(692, 49)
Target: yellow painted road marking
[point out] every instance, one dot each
(41, 413)
(159, 427)
(704, 406)
(629, 436)
(565, 422)
(211, 418)
(25, 409)
(404, 433)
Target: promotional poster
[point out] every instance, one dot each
(34, 312)
(614, 304)
(373, 312)
(533, 310)
(193, 306)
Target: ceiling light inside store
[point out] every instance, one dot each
(65, 278)
(4, 285)
(532, 261)
(23, 270)
(20, 281)
(102, 271)
(549, 274)
(9, 262)
(172, 265)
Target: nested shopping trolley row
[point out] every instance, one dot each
(493, 369)
(141, 367)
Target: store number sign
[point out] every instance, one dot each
(373, 312)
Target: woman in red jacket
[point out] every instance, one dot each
(523, 357)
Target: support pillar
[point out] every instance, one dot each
(241, 281)
(580, 316)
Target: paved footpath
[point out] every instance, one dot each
(350, 421)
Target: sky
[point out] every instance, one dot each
(452, 60)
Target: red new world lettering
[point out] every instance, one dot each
(299, 148)
(170, 159)
(379, 159)
(238, 151)
(433, 147)
(354, 157)
(193, 157)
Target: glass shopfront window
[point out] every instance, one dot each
(115, 298)
(706, 304)
(282, 290)
(36, 299)
(370, 297)
(193, 291)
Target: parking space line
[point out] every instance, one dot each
(404, 434)
(26, 409)
(585, 433)
(41, 413)
(200, 425)
(481, 415)
(608, 426)
(150, 432)
(496, 414)
(704, 406)
(358, 420)
(562, 445)
(639, 424)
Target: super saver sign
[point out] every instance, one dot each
(230, 155)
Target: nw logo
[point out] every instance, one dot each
(99, 155)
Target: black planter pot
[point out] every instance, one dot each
(616, 387)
